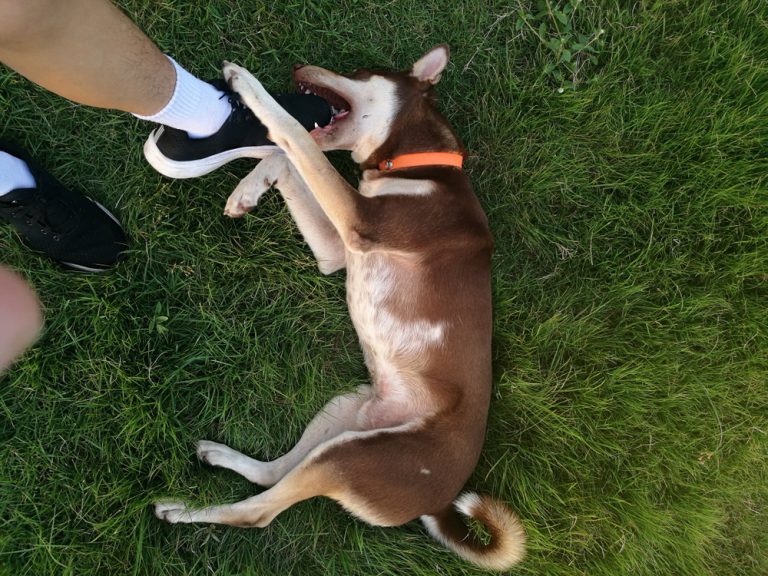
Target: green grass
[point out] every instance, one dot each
(629, 419)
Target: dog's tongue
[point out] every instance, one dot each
(308, 109)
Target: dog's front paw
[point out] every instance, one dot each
(238, 78)
(231, 71)
(252, 94)
(245, 197)
(237, 206)
(172, 512)
(272, 169)
(215, 454)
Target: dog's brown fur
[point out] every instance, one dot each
(417, 249)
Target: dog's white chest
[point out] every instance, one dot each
(383, 305)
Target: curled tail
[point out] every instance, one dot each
(507, 543)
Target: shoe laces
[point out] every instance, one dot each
(34, 214)
(240, 112)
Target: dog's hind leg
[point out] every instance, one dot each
(306, 481)
(317, 230)
(376, 474)
(342, 414)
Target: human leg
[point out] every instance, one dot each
(87, 51)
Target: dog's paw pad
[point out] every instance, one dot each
(212, 453)
(231, 72)
(170, 511)
(240, 203)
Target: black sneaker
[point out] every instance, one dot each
(174, 154)
(74, 230)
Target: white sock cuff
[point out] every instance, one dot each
(195, 107)
(183, 102)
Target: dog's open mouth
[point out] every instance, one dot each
(340, 108)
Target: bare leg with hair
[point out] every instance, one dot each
(87, 51)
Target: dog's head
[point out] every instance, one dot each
(370, 106)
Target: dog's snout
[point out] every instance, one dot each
(298, 67)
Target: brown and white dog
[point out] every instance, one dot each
(417, 249)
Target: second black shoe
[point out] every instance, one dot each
(66, 226)
(174, 154)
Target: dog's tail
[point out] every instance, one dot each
(504, 548)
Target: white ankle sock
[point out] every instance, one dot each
(14, 174)
(195, 107)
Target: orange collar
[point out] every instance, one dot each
(422, 159)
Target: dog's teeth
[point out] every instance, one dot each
(317, 125)
(307, 92)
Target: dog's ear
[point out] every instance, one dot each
(429, 67)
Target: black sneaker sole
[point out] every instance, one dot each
(194, 168)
